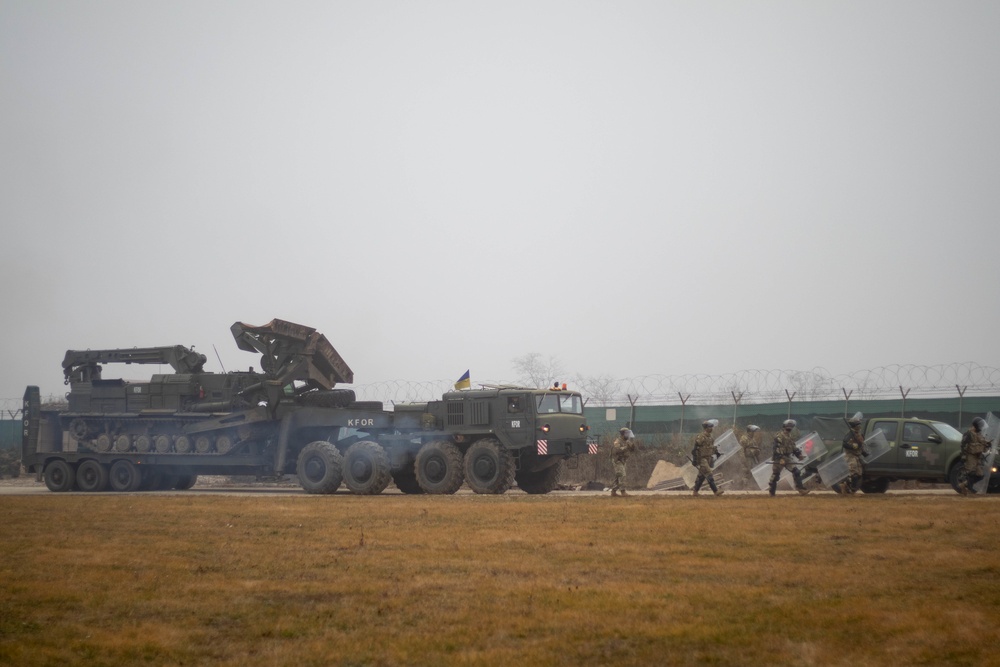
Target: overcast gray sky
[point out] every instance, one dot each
(631, 187)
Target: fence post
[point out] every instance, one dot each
(961, 395)
(736, 405)
(847, 396)
(684, 400)
(902, 413)
(790, 397)
(631, 419)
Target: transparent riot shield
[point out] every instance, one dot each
(727, 445)
(689, 474)
(993, 433)
(812, 447)
(834, 470)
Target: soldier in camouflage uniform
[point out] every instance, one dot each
(854, 449)
(702, 453)
(750, 442)
(974, 449)
(784, 449)
(621, 449)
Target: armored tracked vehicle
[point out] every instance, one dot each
(289, 418)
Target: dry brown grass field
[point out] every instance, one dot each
(656, 579)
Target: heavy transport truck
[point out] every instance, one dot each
(289, 418)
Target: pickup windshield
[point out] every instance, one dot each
(549, 403)
(947, 431)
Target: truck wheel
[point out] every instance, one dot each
(124, 476)
(319, 467)
(880, 485)
(489, 467)
(59, 476)
(406, 481)
(185, 482)
(953, 475)
(541, 481)
(439, 467)
(91, 476)
(366, 468)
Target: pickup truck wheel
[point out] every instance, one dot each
(880, 485)
(406, 481)
(953, 475)
(91, 476)
(59, 476)
(489, 467)
(541, 481)
(319, 467)
(124, 476)
(366, 468)
(439, 467)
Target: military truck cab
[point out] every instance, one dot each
(491, 437)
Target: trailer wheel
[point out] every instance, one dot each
(91, 476)
(541, 481)
(185, 482)
(59, 476)
(439, 467)
(124, 476)
(489, 467)
(319, 467)
(406, 481)
(366, 468)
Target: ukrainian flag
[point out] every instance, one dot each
(464, 382)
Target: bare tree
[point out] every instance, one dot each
(600, 389)
(534, 371)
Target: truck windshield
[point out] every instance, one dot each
(549, 403)
(947, 431)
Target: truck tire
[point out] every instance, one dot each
(439, 467)
(406, 481)
(59, 476)
(541, 481)
(91, 476)
(489, 467)
(878, 485)
(366, 468)
(185, 482)
(124, 476)
(319, 467)
(953, 474)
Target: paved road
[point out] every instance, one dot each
(28, 487)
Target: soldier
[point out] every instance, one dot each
(621, 449)
(974, 449)
(701, 456)
(784, 449)
(750, 442)
(854, 449)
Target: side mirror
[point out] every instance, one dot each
(935, 438)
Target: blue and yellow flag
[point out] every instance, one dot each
(464, 382)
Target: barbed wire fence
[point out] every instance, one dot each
(743, 387)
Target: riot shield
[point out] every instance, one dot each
(727, 445)
(689, 474)
(834, 470)
(812, 447)
(993, 431)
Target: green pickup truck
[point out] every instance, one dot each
(919, 449)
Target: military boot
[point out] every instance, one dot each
(715, 489)
(624, 493)
(772, 487)
(614, 492)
